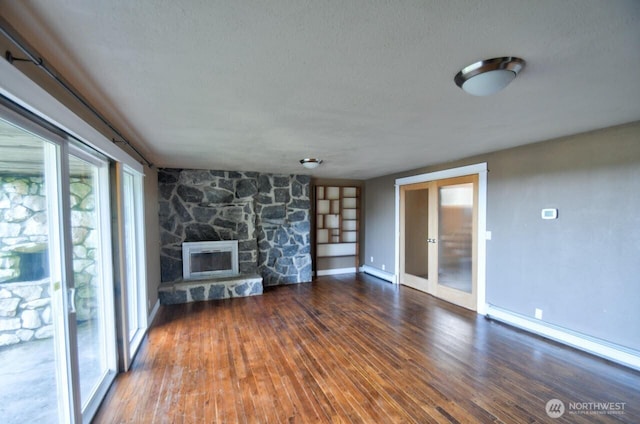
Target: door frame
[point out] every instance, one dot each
(480, 170)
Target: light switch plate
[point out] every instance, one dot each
(549, 213)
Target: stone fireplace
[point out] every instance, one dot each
(268, 215)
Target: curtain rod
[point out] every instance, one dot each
(34, 58)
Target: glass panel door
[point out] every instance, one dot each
(95, 320)
(131, 265)
(457, 228)
(33, 364)
(438, 227)
(417, 224)
(134, 259)
(418, 253)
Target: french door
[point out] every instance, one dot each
(438, 238)
(57, 326)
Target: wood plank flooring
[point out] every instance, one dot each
(354, 349)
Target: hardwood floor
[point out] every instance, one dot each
(353, 348)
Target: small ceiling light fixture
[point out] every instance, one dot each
(488, 76)
(310, 163)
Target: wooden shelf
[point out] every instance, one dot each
(349, 203)
(323, 207)
(337, 249)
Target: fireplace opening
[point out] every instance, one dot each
(209, 259)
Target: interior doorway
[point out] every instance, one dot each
(441, 233)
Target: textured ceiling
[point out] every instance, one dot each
(365, 85)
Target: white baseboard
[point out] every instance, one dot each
(610, 351)
(378, 273)
(336, 271)
(152, 314)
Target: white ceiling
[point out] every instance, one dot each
(365, 85)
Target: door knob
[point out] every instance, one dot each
(430, 240)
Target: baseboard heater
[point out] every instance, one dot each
(378, 273)
(336, 271)
(611, 351)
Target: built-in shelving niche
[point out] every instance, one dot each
(337, 228)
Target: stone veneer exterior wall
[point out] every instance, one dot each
(23, 220)
(268, 214)
(25, 311)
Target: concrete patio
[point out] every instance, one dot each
(27, 371)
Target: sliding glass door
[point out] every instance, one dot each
(33, 366)
(133, 275)
(91, 261)
(57, 325)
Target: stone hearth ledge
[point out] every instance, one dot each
(210, 289)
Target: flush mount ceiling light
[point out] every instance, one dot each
(489, 76)
(310, 163)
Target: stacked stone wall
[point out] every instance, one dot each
(25, 311)
(23, 221)
(268, 215)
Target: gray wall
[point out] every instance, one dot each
(152, 235)
(379, 222)
(583, 269)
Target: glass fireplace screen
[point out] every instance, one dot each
(209, 259)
